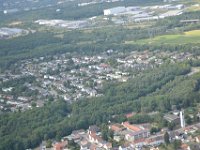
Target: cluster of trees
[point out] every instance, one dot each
(140, 118)
(23, 130)
(72, 145)
(17, 81)
(181, 92)
(107, 134)
(19, 87)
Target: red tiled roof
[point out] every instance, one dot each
(93, 147)
(116, 127)
(155, 138)
(131, 127)
(184, 146)
(109, 145)
(96, 137)
(139, 141)
(60, 145)
(104, 65)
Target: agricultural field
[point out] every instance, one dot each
(184, 38)
(194, 8)
(193, 33)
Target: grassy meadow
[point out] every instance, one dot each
(184, 38)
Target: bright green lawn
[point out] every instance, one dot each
(185, 38)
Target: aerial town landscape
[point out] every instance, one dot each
(100, 75)
(72, 78)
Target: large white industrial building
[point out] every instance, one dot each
(171, 13)
(114, 11)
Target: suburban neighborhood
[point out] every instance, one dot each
(75, 77)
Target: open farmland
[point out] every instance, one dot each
(193, 33)
(184, 38)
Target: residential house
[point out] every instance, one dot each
(116, 128)
(135, 132)
(61, 145)
(94, 138)
(155, 140)
(185, 147)
(197, 139)
(138, 143)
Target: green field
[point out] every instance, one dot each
(184, 38)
